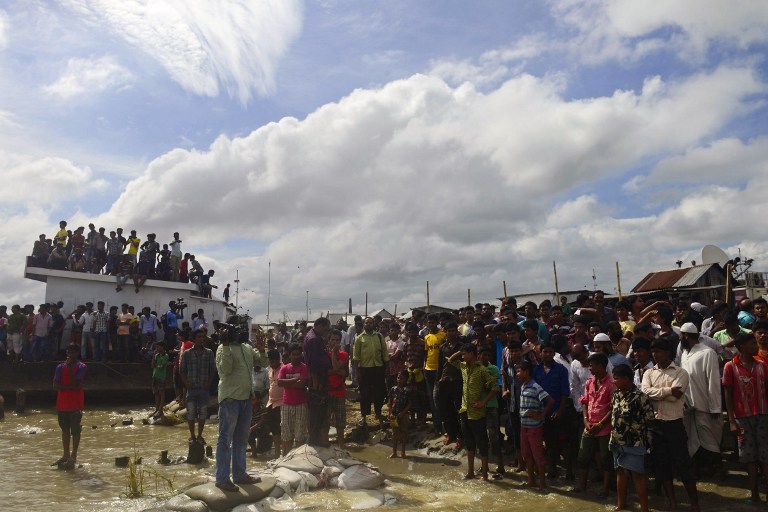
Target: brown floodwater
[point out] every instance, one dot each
(31, 442)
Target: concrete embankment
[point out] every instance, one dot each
(104, 382)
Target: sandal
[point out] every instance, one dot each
(248, 479)
(228, 486)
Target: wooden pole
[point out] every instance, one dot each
(395, 313)
(728, 284)
(557, 289)
(504, 283)
(618, 279)
(366, 303)
(428, 308)
(469, 298)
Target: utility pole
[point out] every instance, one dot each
(237, 289)
(269, 288)
(307, 306)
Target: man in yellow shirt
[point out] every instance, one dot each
(432, 343)
(61, 234)
(133, 245)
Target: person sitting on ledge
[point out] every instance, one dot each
(125, 272)
(40, 252)
(76, 262)
(143, 271)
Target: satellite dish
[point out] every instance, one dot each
(713, 254)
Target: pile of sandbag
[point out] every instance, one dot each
(307, 467)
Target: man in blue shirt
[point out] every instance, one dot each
(171, 326)
(554, 378)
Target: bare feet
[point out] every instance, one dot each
(392, 455)
(469, 476)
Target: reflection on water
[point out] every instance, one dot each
(30, 443)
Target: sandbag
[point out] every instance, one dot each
(360, 477)
(219, 500)
(288, 475)
(302, 459)
(183, 503)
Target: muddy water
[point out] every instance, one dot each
(30, 443)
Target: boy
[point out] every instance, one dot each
(399, 405)
(337, 387)
(478, 388)
(415, 355)
(70, 402)
(159, 371)
(258, 424)
(596, 409)
(534, 405)
(631, 414)
(293, 378)
(275, 400)
(745, 380)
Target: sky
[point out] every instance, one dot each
(322, 150)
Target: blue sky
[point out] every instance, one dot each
(372, 146)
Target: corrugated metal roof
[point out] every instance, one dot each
(675, 278)
(691, 278)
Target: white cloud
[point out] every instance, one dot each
(89, 76)
(420, 181)
(628, 30)
(205, 45)
(4, 26)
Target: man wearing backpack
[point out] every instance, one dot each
(371, 357)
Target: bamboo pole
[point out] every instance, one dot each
(395, 313)
(618, 279)
(469, 298)
(728, 283)
(428, 308)
(504, 284)
(366, 303)
(557, 289)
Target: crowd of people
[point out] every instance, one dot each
(128, 259)
(548, 391)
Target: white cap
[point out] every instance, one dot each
(602, 337)
(689, 328)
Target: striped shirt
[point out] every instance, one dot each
(532, 398)
(100, 321)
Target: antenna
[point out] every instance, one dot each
(713, 254)
(237, 288)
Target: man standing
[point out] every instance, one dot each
(41, 329)
(554, 378)
(171, 326)
(99, 337)
(703, 413)
(86, 339)
(319, 362)
(432, 342)
(666, 385)
(175, 257)
(70, 402)
(124, 347)
(235, 361)
(371, 357)
(197, 370)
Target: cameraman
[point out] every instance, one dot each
(171, 326)
(235, 360)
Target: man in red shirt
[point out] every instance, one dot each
(70, 402)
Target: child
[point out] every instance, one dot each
(535, 404)
(337, 387)
(294, 412)
(159, 371)
(399, 405)
(632, 414)
(258, 422)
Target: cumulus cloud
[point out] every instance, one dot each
(205, 46)
(418, 180)
(89, 76)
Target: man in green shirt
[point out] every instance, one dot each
(235, 360)
(479, 388)
(370, 356)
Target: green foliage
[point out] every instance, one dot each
(138, 476)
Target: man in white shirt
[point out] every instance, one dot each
(703, 416)
(666, 385)
(579, 374)
(87, 320)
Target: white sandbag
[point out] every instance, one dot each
(267, 505)
(288, 475)
(303, 458)
(347, 462)
(364, 499)
(310, 479)
(360, 477)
